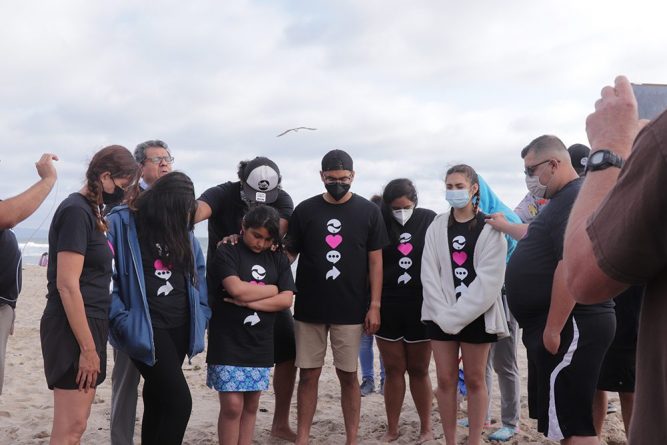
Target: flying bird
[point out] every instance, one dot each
(295, 130)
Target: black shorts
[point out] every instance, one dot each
(284, 345)
(61, 350)
(474, 333)
(561, 387)
(618, 371)
(400, 319)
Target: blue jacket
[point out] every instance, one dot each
(130, 327)
(490, 203)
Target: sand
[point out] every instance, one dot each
(26, 405)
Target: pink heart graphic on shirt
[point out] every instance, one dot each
(459, 257)
(257, 283)
(333, 240)
(159, 265)
(405, 249)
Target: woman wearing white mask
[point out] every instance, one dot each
(402, 339)
(463, 269)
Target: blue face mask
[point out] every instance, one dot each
(458, 198)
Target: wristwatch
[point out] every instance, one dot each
(602, 159)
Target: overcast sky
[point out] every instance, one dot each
(407, 88)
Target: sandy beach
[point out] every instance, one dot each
(26, 405)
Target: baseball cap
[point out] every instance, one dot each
(260, 179)
(579, 157)
(337, 160)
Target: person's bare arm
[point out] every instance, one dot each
(68, 273)
(246, 292)
(203, 211)
(272, 304)
(613, 126)
(560, 309)
(372, 321)
(16, 209)
(499, 222)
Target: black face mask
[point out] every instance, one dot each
(113, 198)
(337, 190)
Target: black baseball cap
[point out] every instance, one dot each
(579, 157)
(337, 160)
(260, 179)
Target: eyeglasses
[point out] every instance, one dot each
(530, 171)
(158, 159)
(343, 180)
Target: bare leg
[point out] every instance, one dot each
(418, 359)
(229, 419)
(393, 355)
(599, 410)
(248, 417)
(627, 402)
(446, 356)
(306, 402)
(474, 368)
(71, 409)
(350, 402)
(284, 376)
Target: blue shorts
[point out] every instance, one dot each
(227, 378)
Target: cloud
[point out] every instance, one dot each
(406, 88)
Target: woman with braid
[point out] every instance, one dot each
(75, 323)
(463, 269)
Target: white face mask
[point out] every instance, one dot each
(535, 187)
(458, 198)
(402, 215)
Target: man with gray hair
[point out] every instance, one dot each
(565, 342)
(155, 160)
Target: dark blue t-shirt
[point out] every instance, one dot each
(530, 271)
(10, 268)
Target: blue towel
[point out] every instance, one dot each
(490, 203)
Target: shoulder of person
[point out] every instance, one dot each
(425, 213)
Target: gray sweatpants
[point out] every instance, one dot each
(124, 382)
(502, 360)
(6, 328)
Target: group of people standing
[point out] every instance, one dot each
(453, 285)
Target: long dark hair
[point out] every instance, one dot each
(266, 217)
(472, 177)
(396, 188)
(165, 216)
(115, 159)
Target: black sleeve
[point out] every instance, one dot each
(284, 205)
(557, 226)
(377, 233)
(285, 278)
(227, 261)
(215, 197)
(293, 238)
(74, 230)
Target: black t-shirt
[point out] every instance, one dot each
(239, 336)
(333, 241)
(73, 229)
(10, 268)
(401, 259)
(166, 291)
(462, 238)
(227, 211)
(530, 271)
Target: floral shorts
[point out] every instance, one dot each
(226, 378)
